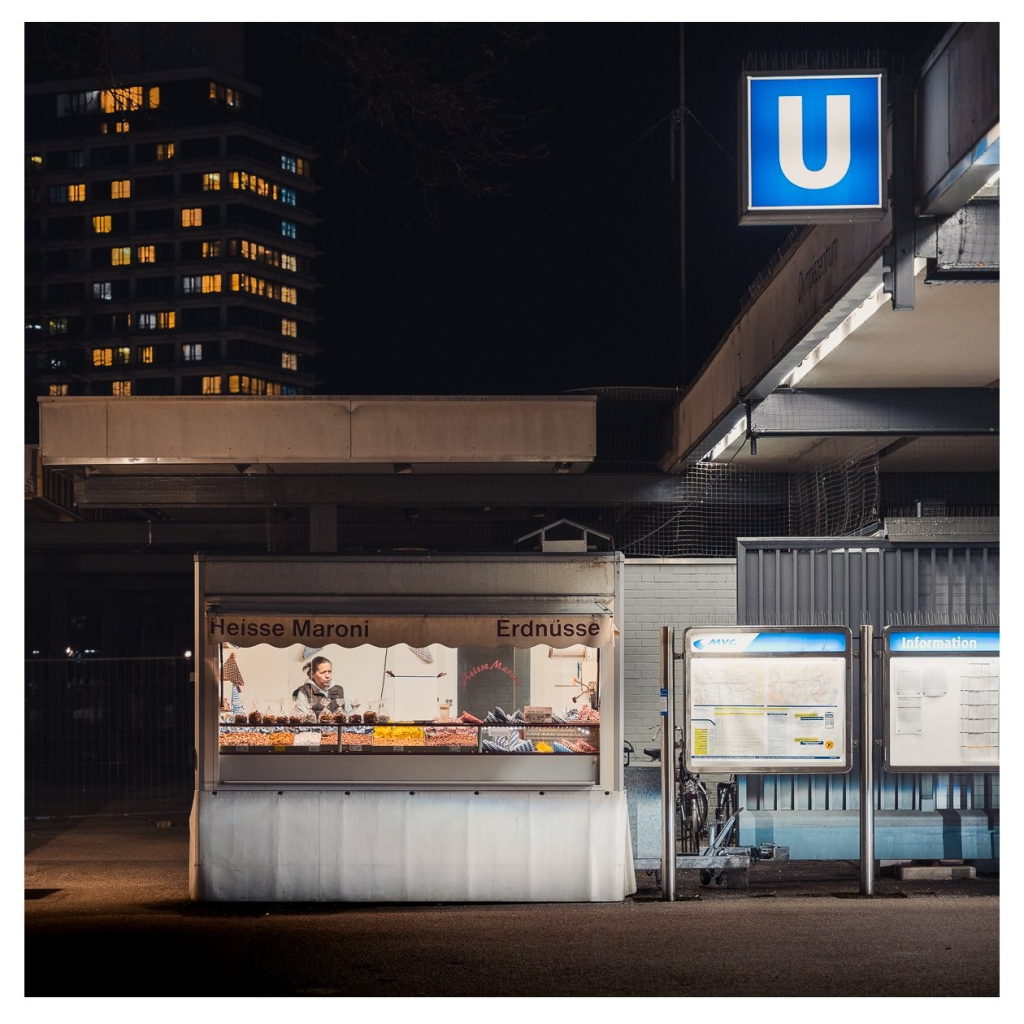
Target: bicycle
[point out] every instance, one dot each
(691, 799)
(727, 819)
(691, 809)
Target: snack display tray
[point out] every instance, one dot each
(398, 738)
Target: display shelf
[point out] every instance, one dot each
(412, 737)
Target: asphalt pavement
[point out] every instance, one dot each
(107, 901)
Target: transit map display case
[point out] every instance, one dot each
(768, 699)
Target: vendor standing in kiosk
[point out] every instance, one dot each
(318, 695)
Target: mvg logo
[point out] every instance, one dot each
(710, 644)
(813, 145)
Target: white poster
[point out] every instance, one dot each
(943, 712)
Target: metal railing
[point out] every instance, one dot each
(108, 736)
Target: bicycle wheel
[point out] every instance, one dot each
(701, 800)
(693, 822)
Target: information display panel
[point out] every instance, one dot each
(768, 699)
(940, 688)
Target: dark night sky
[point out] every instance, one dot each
(571, 279)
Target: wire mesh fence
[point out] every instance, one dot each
(108, 736)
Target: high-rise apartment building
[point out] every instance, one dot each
(170, 240)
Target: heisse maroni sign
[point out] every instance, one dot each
(417, 630)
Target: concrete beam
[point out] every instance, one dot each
(305, 430)
(284, 490)
(917, 412)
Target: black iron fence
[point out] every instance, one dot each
(108, 736)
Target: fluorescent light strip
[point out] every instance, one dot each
(871, 305)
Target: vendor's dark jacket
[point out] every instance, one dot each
(319, 702)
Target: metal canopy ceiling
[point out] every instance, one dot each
(896, 368)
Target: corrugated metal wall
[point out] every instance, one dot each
(855, 582)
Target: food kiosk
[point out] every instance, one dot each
(409, 728)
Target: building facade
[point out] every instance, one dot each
(170, 241)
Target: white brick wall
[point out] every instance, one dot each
(677, 592)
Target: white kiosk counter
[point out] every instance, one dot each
(409, 728)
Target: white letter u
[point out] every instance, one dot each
(837, 139)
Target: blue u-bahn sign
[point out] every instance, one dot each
(812, 147)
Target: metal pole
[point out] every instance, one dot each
(668, 767)
(867, 766)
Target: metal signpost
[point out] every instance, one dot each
(867, 763)
(668, 763)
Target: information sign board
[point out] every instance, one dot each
(940, 688)
(768, 699)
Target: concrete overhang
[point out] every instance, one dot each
(826, 316)
(329, 434)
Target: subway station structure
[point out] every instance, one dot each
(867, 343)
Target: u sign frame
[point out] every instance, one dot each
(812, 147)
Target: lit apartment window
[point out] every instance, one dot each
(121, 189)
(122, 356)
(102, 357)
(58, 390)
(289, 328)
(157, 321)
(123, 98)
(243, 180)
(192, 217)
(67, 193)
(122, 126)
(146, 254)
(36, 159)
(102, 225)
(295, 164)
(201, 284)
(121, 388)
(121, 256)
(267, 289)
(58, 325)
(102, 290)
(146, 354)
(288, 196)
(289, 262)
(241, 384)
(211, 182)
(289, 228)
(211, 385)
(154, 97)
(164, 150)
(192, 353)
(289, 361)
(211, 249)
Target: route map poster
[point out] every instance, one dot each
(768, 700)
(941, 699)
